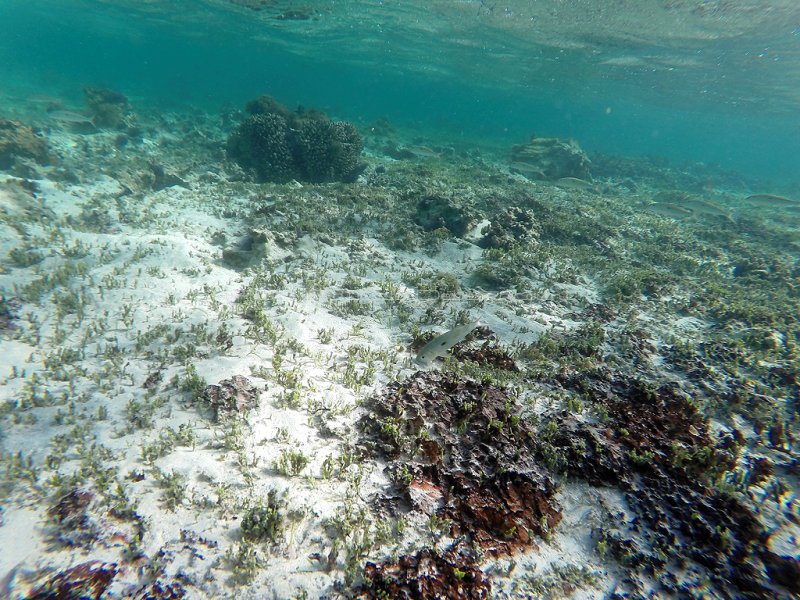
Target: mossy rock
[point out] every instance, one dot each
(552, 158)
(18, 140)
(513, 226)
(435, 211)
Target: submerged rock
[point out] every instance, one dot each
(460, 451)
(109, 109)
(163, 179)
(550, 159)
(20, 141)
(234, 395)
(435, 211)
(511, 227)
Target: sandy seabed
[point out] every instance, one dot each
(125, 475)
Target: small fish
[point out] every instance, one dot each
(423, 152)
(527, 170)
(67, 116)
(668, 209)
(440, 345)
(698, 205)
(45, 99)
(577, 184)
(771, 200)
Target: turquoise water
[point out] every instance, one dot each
(719, 92)
(211, 324)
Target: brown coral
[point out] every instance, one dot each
(233, 395)
(657, 447)
(469, 458)
(427, 574)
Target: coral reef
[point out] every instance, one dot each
(267, 105)
(550, 159)
(328, 150)
(279, 145)
(260, 143)
(436, 210)
(658, 448)
(20, 141)
(85, 580)
(460, 451)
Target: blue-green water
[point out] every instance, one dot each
(717, 91)
(207, 369)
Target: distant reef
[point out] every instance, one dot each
(276, 144)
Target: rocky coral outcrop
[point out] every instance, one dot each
(550, 159)
(327, 150)
(278, 145)
(460, 451)
(512, 226)
(109, 109)
(435, 211)
(260, 144)
(20, 141)
(234, 395)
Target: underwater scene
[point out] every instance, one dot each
(383, 299)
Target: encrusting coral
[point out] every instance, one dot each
(658, 448)
(459, 450)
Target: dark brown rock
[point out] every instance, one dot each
(234, 395)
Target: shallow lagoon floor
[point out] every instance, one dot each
(207, 387)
